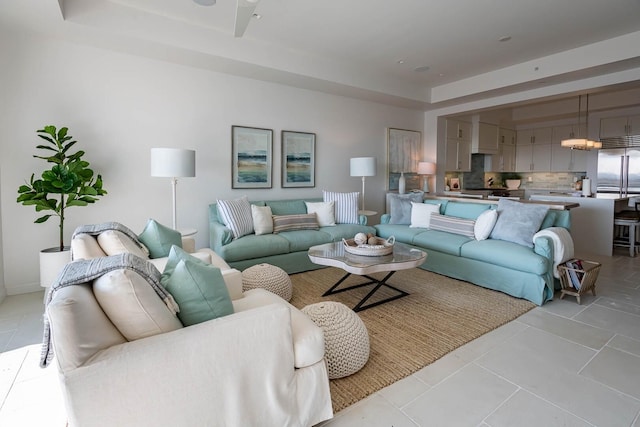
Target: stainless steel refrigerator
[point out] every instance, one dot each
(619, 171)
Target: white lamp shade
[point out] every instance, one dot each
(363, 166)
(173, 162)
(426, 168)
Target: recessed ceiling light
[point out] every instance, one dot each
(504, 39)
(400, 61)
(205, 2)
(421, 69)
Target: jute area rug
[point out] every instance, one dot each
(440, 315)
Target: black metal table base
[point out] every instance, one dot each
(379, 283)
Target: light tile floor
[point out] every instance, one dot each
(562, 364)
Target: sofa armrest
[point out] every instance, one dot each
(543, 246)
(362, 219)
(227, 371)
(219, 235)
(385, 218)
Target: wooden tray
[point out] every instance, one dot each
(382, 247)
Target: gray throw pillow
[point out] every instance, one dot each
(400, 206)
(518, 222)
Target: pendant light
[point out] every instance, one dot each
(581, 143)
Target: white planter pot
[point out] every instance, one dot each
(512, 184)
(51, 263)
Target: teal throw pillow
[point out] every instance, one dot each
(200, 292)
(177, 254)
(159, 238)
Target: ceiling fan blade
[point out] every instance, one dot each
(244, 12)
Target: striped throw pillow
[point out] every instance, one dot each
(295, 222)
(345, 205)
(452, 224)
(236, 215)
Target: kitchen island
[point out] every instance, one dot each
(592, 224)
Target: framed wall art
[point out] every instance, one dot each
(404, 151)
(252, 157)
(298, 159)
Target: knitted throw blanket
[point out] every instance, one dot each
(83, 271)
(95, 229)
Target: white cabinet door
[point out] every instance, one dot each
(458, 130)
(561, 158)
(579, 161)
(541, 157)
(524, 157)
(508, 158)
(633, 125)
(613, 126)
(451, 155)
(486, 141)
(464, 156)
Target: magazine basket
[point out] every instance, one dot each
(382, 247)
(578, 281)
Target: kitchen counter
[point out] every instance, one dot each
(554, 204)
(592, 224)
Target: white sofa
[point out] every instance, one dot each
(263, 365)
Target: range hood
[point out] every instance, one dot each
(621, 141)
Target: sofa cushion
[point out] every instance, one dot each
(402, 233)
(518, 222)
(199, 289)
(466, 210)
(346, 231)
(441, 241)
(506, 254)
(442, 202)
(132, 305)
(114, 242)
(345, 206)
(484, 224)
(253, 246)
(236, 215)
(452, 224)
(308, 339)
(301, 240)
(262, 219)
(421, 214)
(159, 238)
(295, 222)
(324, 211)
(287, 207)
(400, 207)
(85, 246)
(79, 327)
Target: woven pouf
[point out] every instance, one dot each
(346, 339)
(269, 277)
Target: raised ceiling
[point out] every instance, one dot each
(368, 49)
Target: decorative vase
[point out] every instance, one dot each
(401, 183)
(512, 184)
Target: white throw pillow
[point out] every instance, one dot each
(236, 215)
(421, 214)
(114, 242)
(484, 224)
(345, 207)
(262, 219)
(324, 211)
(132, 305)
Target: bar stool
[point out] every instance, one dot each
(626, 224)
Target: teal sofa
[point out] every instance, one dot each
(514, 269)
(288, 249)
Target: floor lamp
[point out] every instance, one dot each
(426, 169)
(173, 163)
(363, 166)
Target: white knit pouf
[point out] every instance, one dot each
(269, 277)
(346, 339)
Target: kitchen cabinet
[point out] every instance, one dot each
(458, 155)
(458, 146)
(533, 150)
(619, 126)
(565, 159)
(484, 139)
(505, 159)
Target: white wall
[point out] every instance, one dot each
(119, 106)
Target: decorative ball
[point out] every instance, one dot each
(360, 239)
(373, 241)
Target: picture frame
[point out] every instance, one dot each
(454, 184)
(404, 151)
(251, 157)
(298, 159)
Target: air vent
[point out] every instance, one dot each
(621, 141)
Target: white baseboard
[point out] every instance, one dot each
(25, 288)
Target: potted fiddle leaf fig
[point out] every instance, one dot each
(69, 182)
